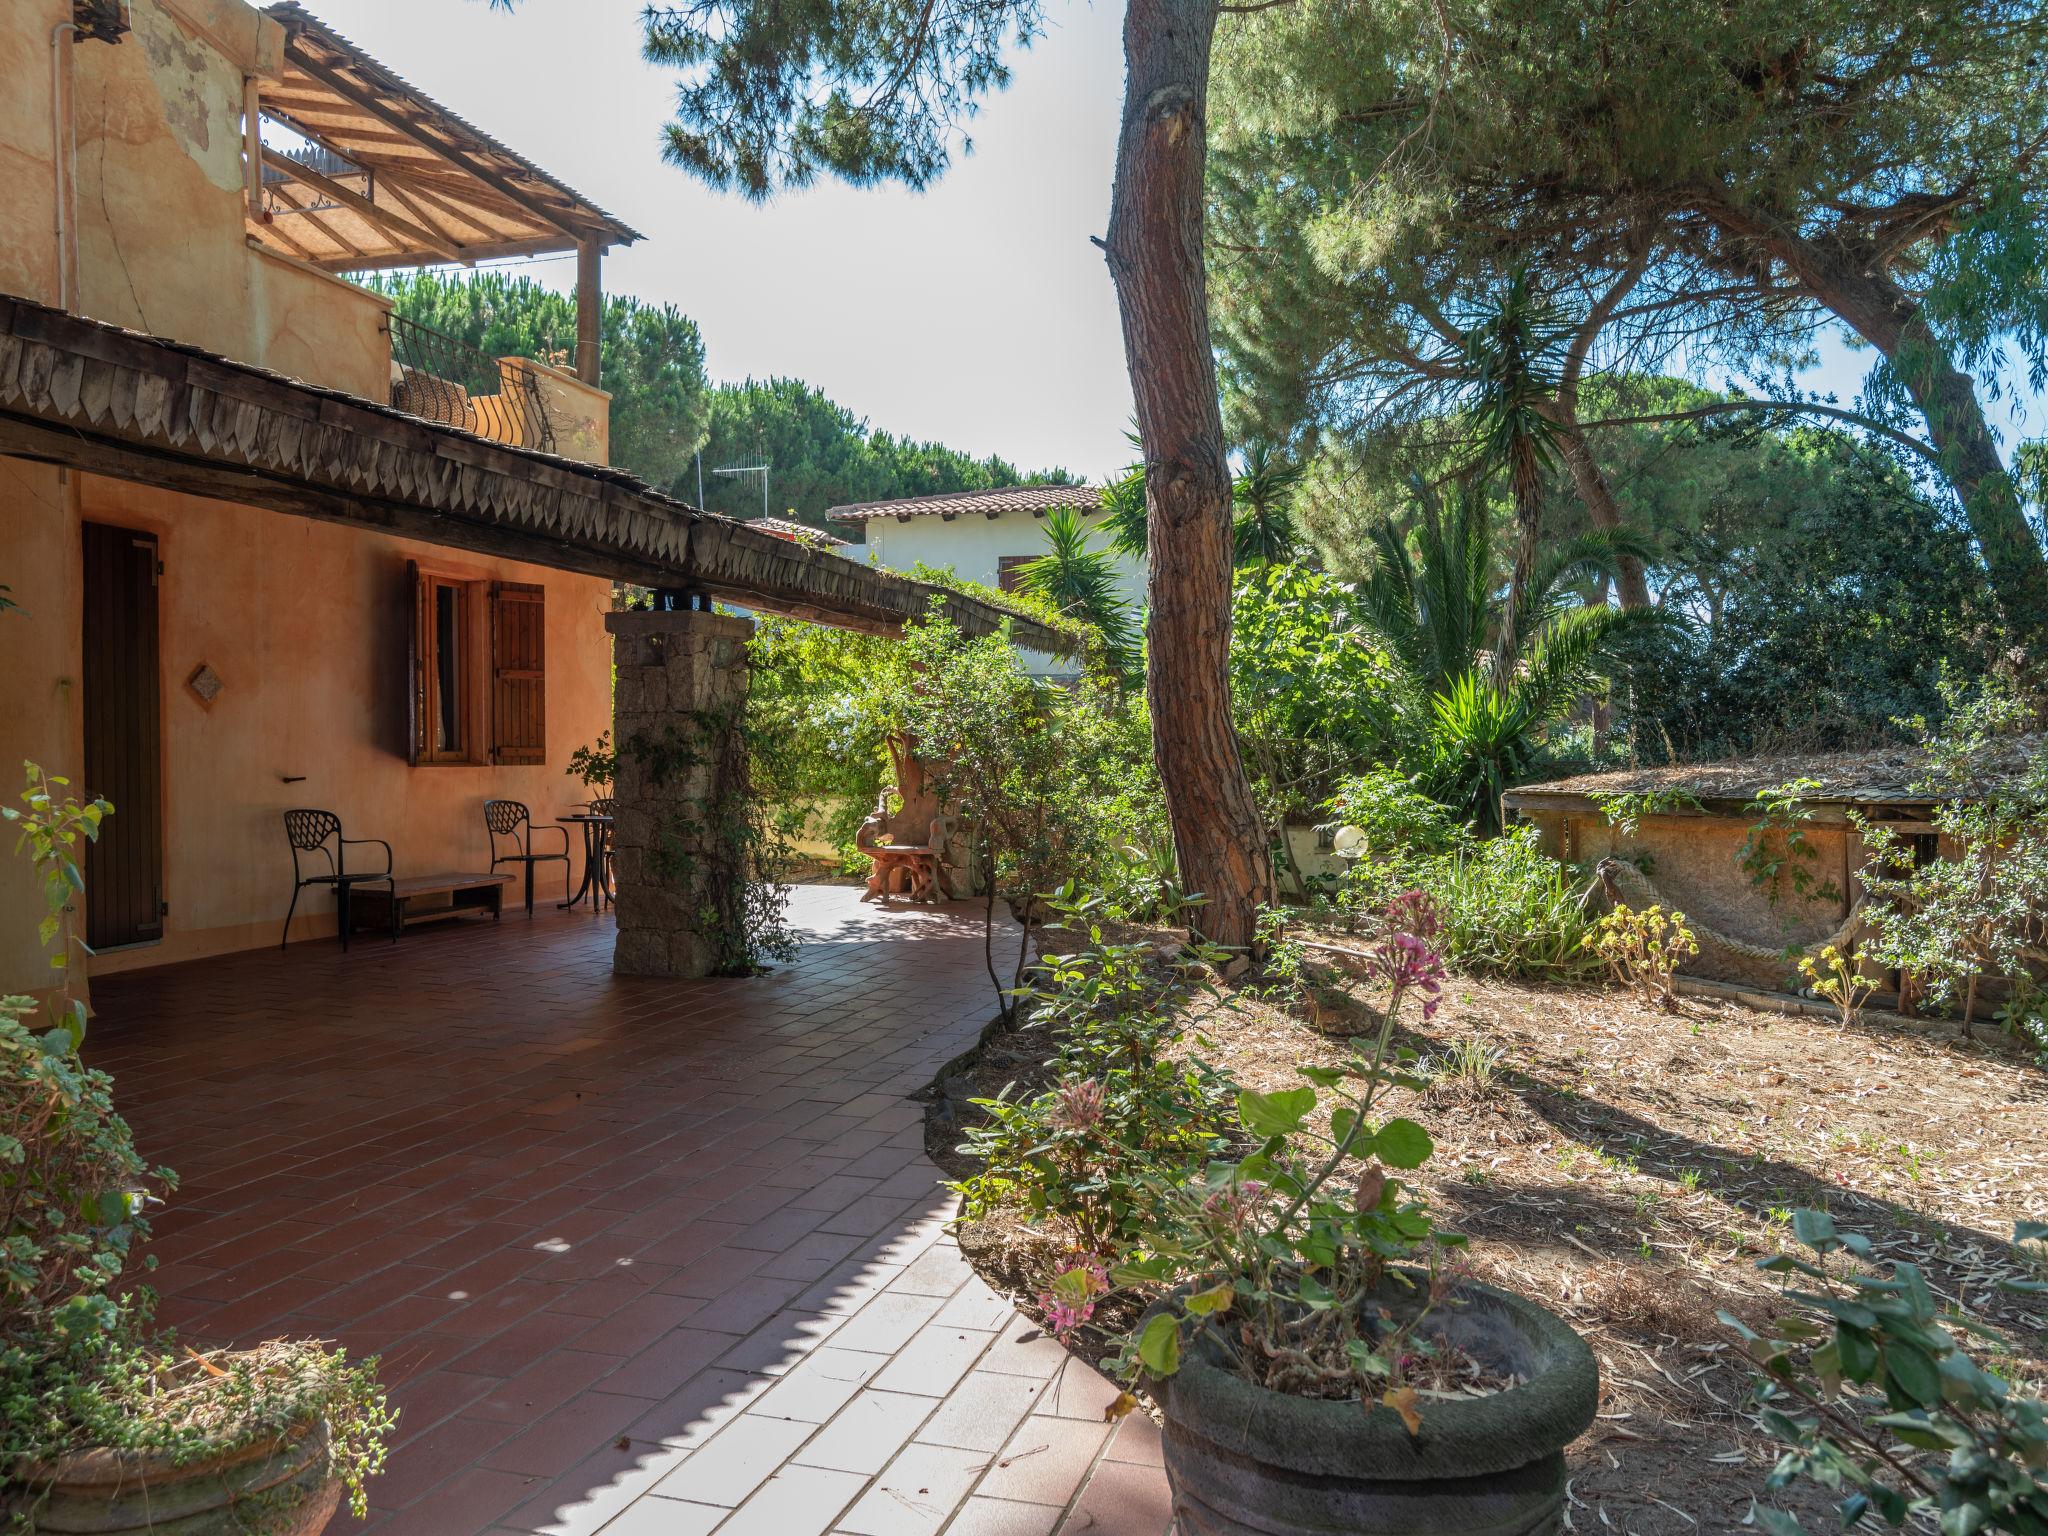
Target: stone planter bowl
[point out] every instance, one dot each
(279, 1488)
(1246, 1461)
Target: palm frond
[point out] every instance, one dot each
(1124, 515)
(1082, 583)
(1564, 660)
(1583, 558)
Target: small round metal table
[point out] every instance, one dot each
(597, 831)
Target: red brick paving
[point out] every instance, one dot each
(642, 1258)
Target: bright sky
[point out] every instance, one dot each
(977, 313)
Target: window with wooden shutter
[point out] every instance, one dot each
(442, 718)
(518, 673)
(1010, 571)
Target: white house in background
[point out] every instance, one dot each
(985, 536)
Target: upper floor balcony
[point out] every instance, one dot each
(350, 169)
(516, 400)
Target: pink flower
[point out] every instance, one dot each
(1079, 1106)
(1071, 1300)
(1413, 912)
(1238, 1206)
(1406, 963)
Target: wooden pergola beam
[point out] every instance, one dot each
(393, 185)
(420, 134)
(414, 188)
(312, 217)
(264, 229)
(356, 203)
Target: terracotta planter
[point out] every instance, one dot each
(284, 1488)
(1245, 1461)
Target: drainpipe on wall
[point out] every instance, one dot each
(63, 151)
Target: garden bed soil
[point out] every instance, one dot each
(1627, 1167)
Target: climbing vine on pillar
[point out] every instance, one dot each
(715, 843)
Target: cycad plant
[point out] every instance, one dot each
(1264, 530)
(1081, 582)
(1513, 367)
(1436, 601)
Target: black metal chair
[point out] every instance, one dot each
(311, 832)
(510, 819)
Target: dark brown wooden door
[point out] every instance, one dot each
(124, 870)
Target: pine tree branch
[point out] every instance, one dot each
(1728, 407)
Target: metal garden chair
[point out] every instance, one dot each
(510, 820)
(311, 832)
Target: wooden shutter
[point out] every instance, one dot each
(415, 662)
(124, 870)
(1010, 571)
(518, 673)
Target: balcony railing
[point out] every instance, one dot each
(443, 379)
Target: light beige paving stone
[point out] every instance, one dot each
(933, 1362)
(735, 1461)
(797, 1501)
(821, 1386)
(867, 1432)
(977, 1305)
(916, 1494)
(982, 1412)
(1004, 1517)
(1045, 1462)
(888, 1322)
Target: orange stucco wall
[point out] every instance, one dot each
(304, 624)
(302, 621)
(159, 198)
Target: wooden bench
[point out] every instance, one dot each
(428, 899)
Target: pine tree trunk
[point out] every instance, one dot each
(1587, 477)
(1600, 505)
(1155, 258)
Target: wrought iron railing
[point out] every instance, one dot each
(443, 379)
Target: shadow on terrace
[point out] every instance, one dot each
(586, 1221)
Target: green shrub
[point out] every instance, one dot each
(1876, 1401)
(1124, 1106)
(1311, 689)
(1394, 821)
(1507, 907)
(1510, 909)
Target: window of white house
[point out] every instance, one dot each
(1010, 571)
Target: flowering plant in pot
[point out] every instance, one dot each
(104, 1428)
(1321, 1357)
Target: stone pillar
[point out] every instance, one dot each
(679, 691)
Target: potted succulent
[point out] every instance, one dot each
(104, 1428)
(1321, 1359)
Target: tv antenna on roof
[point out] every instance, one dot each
(760, 469)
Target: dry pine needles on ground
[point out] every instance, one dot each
(1628, 1166)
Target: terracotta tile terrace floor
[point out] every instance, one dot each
(640, 1257)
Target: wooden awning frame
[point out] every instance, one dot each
(95, 397)
(442, 190)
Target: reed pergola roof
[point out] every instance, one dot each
(403, 181)
(95, 397)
